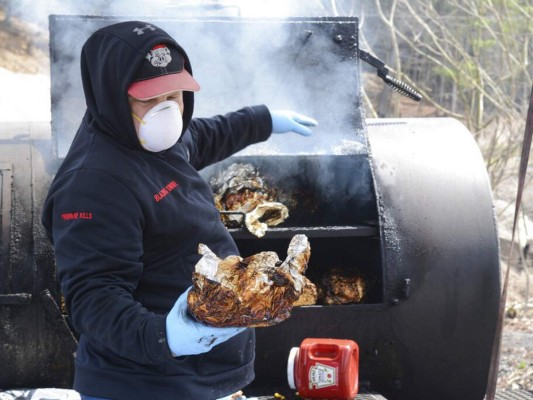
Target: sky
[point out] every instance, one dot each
(24, 97)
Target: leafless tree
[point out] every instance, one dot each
(478, 54)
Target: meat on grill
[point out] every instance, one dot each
(340, 286)
(240, 191)
(309, 294)
(255, 291)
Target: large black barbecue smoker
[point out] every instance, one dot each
(404, 203)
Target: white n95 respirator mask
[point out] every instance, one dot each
(161, 126)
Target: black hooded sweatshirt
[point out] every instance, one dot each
(126, 224)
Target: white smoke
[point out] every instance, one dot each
(247, 74)
(261, 64)
(38, 10)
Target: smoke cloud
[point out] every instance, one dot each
(268, 60)
(38, 10)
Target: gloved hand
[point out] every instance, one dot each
(289, 121)
(185, 336)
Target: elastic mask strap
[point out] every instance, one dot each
(137, 118)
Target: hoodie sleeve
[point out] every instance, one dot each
(97, 234)
(213, 139)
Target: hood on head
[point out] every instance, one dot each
(110, 59)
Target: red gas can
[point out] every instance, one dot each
(324, 369)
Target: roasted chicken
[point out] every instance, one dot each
(255, 291)
(243, 199)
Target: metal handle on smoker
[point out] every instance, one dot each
(383, 72)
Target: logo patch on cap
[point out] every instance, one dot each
(140, 31)
(162, 70)
(159, 56)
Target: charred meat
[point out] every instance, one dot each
(309, 295)
(243, 199)
(255, 291)
(340, 286)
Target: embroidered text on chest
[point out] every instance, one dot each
(169, 187)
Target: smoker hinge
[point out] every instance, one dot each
(16, 299)
(405, 292)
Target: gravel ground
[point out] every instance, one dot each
(516, 358)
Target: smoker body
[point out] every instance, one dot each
(406, 202)
(36, 343)
(426, 243)
(440, 226)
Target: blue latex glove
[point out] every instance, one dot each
(186, 336)
(289, 121)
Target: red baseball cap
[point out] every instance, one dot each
(162, 71)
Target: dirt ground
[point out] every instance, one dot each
(516, 362)
(24, 49)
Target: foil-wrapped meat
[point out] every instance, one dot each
(309, 295)
(240, 191)
(255, 291)
(340, 286)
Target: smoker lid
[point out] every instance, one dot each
(309, 65)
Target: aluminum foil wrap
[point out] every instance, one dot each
(255, 291)
(244, 199)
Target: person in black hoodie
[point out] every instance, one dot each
(126, 212)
